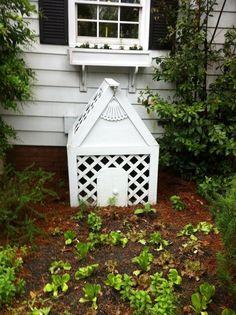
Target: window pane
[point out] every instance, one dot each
(87, 29)
(108, 13)
(131, 1)
(129, 14)
(109, 0)
(129, 30)
(86, 11)
(108, 30)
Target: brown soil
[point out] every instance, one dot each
(166, 220)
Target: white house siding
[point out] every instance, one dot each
(56, 92)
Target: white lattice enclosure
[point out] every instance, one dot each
(111, 153)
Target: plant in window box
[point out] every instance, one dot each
(85, 45)
(105, 46)
(135, 47)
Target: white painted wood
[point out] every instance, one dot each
(45, 124)
(64, 109)
(112, 183)
(40, 138)
(112, 58)
(109, 133)
(227, 20)
(143, 25)
(56, 92)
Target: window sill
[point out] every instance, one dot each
(110, 58)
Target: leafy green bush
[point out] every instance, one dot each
(20, 191)
(10, 265)
(15, 77)
(224, 210)
(211, 186)
(199, 125)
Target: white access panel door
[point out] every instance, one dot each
(112, 182)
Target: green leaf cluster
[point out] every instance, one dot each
(224, 210)
(204, 227)
(15, 77)
(58, 265)
(82, 249)
(147, 209)
(10, 265)
(94, 222)
(156, 239)
(177, 203)
(20, 191)
(202, 298)
(199, 122)
(141, 302)
(163, 291)
(122, 283)
(85, 272)
(58, 283)
(41, 311)
(144, 259)
(117, 237)
(69, 236)
(91, 292)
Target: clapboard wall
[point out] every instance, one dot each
(56, 93)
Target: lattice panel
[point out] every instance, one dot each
(88, 109)
(137, 167)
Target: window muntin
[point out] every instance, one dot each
(109, 21)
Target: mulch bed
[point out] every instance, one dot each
(50, 247)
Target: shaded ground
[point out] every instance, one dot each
(50, 247)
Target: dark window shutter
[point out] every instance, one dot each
(53, 22)
(159, 23)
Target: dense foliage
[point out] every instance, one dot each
(224, 210)
(15, 77)
(199, 120)
(20, 191)
(199, 124)
(10, 265)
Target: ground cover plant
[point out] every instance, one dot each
(20, 192)
(152, 272)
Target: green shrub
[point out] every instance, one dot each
(199, 125)
(224, 210)
(20, 191)
(15, 77)
(10, 265)
(211, 186)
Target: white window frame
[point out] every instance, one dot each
(143, 27)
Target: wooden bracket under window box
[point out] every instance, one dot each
(133, 59)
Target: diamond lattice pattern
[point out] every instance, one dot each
(137, 167)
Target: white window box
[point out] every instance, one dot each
(109, 57)
(132, 59)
